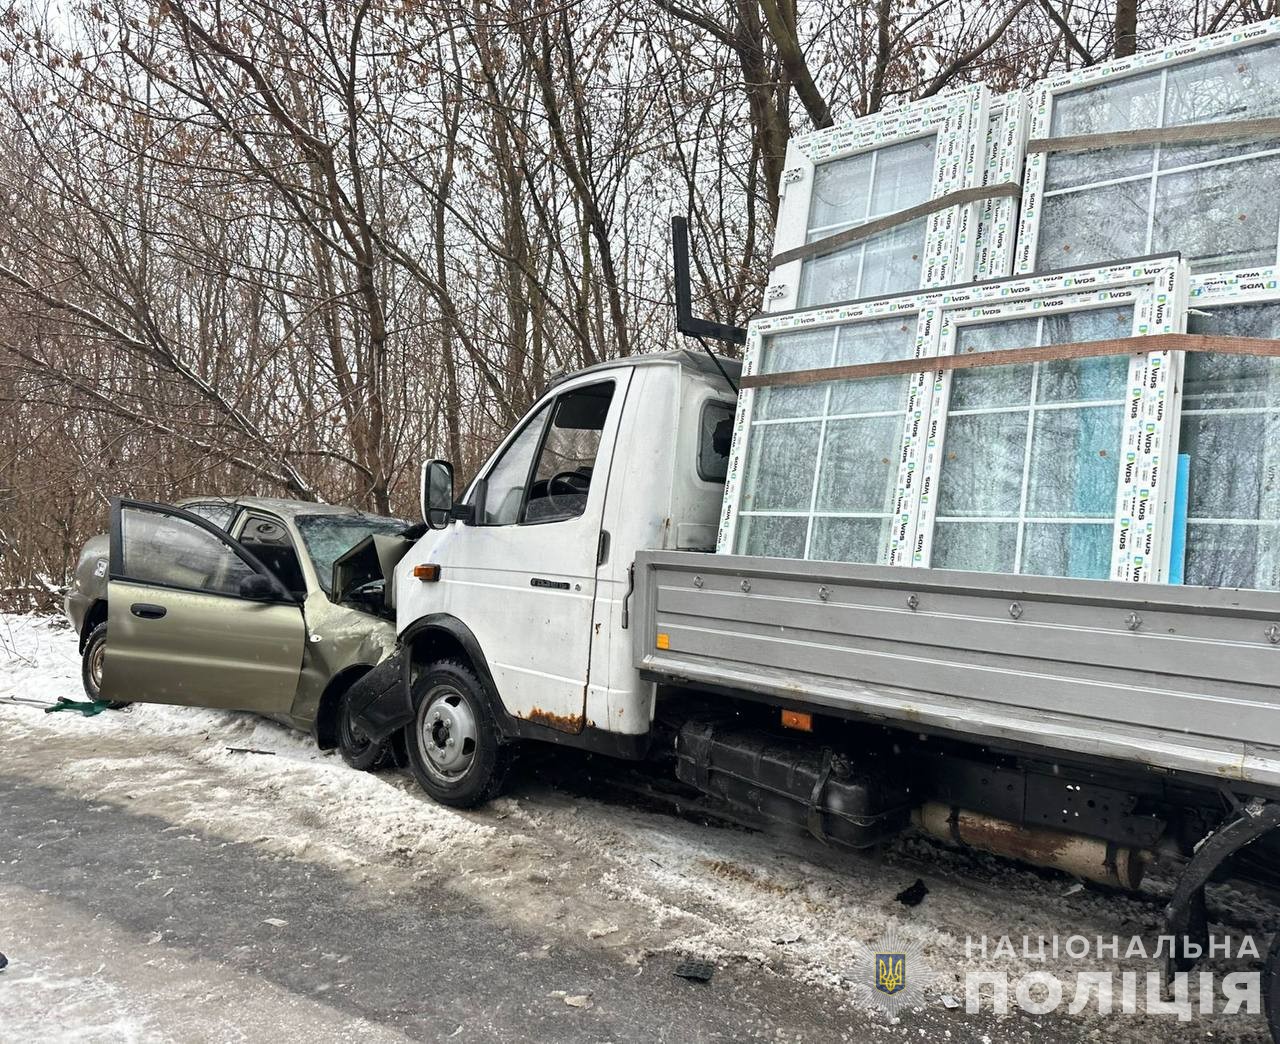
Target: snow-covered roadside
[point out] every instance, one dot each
(633, 882)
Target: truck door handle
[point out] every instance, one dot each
(147, 611)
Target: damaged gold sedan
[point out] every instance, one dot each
(270, 606)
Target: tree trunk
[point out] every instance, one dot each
(1126, 28)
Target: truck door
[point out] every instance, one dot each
(524, 577)
(190, 617)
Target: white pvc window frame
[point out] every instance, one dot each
(1259, 286)
(909, 307)
(1045, 93)
(1156, 289)
(958, 120)
(1004, 145)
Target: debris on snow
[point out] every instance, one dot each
(695, 971)
(913, 895)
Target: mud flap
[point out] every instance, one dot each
(380, 701)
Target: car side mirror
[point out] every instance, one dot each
(260, 588)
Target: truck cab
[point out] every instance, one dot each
(526, 579)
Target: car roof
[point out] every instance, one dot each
(277, 505)
(294, 508)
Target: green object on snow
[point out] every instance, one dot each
(87, 708)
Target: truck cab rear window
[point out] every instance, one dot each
(715, 436)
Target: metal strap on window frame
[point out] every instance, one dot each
(957, 198)
(1256, 346)
(1190, 134)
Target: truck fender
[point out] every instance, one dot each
(441, 636)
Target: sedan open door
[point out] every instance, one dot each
(193, 618)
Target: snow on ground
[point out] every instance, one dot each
(613, 874)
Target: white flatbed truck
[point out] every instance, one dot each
(571, 595)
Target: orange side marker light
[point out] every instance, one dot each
(792, 719)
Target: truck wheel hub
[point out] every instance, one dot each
(447, 733)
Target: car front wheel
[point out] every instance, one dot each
(91, 664)
(357, 749)
(453, 744)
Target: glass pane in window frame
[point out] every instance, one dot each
(1140, 172)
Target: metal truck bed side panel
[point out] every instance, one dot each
(1173, 677)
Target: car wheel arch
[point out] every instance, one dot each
(96, 614)
(325, 728)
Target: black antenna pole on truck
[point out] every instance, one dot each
(686, 322)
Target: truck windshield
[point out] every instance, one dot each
(328, 536)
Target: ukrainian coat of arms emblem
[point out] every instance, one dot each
(891, 972)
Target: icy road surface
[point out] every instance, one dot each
(154, 886)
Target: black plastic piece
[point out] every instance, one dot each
(695, 971)
(379, 700)
(913, 895)
(808, 787)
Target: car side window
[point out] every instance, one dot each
(271, 545)
(219, 512)
(715, 439)
(507, 479)
(562, 477)
(158, 548)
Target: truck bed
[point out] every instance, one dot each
(1175, 678)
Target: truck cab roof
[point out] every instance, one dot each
(699, 362)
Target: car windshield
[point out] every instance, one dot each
(328, 536)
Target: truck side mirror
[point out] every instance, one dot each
(436, 493)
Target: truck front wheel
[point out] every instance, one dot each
(453, 744)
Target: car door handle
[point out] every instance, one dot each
(147, 611)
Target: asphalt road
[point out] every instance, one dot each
(421, 962)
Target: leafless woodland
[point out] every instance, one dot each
(293, 249)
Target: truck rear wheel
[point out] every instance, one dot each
(453, 744)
